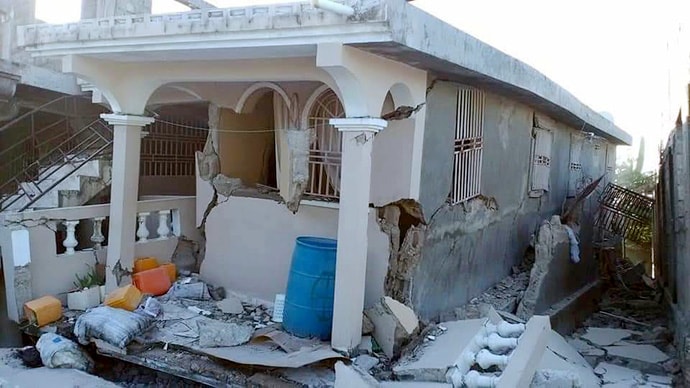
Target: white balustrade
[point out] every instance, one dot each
(71, 239)
(163, 224)
(142, 230)
(97, 237)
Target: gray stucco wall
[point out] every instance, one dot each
(470, 246)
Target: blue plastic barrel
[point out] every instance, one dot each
(309, 297)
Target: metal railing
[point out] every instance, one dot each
(90, 142)
(34, 134)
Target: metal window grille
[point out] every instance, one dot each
(625, 212)
(169, 148)
(325, 152)
(467, 153)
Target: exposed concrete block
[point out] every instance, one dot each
(351, 376)
(432, 360)
(367, 325)
(393, 323)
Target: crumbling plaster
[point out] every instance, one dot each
(470, 246)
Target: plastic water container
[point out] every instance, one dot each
(309, 297)
(127, 297)
(152, 281)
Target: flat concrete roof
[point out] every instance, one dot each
(390, 28)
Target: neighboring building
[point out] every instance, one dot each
(431, 209)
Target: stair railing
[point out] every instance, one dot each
(90, 142)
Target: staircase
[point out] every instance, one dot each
(53, 165)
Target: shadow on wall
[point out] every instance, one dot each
(9, 331)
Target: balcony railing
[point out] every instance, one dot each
(55, 245)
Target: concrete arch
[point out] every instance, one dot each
(249, 97)
(402, 95)
(309, 104)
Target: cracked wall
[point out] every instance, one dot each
(471, 246)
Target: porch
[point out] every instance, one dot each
(44, 250)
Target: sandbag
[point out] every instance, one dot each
(59, 352)
(115, 326)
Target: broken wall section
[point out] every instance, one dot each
(470, 246)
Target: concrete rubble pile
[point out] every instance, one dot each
(628, 341)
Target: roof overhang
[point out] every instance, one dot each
(390, 28)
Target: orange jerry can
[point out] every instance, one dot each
(127, 298)
(172, 271)
(145, 263)
(153, 281)
(43, 311)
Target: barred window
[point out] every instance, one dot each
(541, 162)
(325, 152)
(467, 152)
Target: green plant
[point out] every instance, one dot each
(91, 279)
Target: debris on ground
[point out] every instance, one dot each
(58, 352)
(393, 324)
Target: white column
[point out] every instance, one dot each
(124, 191)
(351, 263)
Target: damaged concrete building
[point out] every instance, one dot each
(431, 157)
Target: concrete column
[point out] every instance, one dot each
(124, 191)
(350, 274)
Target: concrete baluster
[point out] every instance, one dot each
(97, 237)
(163, 226)
(496, 343)
(71, 240)
(474, 379)
(486, 359)
(142, 230)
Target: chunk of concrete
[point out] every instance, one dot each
(351, 376)
(367, 325)
(431, 360)
(365, 362)
(547, 378)
(614, 374)
(394, 323)
(561, 360)
(214, 334)
(231, 305)
(585, 348)
(646, 353)
(604, 336)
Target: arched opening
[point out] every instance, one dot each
(326, 149)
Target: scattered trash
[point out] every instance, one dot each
(30, 357)
(58, 352)
(152, 307)
(43, 311)
(197, 310)
(213, 334)
(189, 289)
(113, 325)
(278, 308)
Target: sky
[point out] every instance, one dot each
(622, 57)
